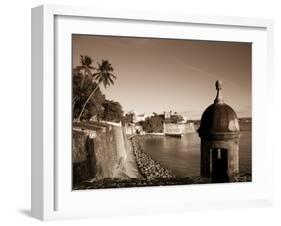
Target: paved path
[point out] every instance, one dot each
(132, 170)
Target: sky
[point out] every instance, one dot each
(156, 75)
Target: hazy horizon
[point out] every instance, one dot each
(156, 75)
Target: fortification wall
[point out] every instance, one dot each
(99, 151)
(179, 128)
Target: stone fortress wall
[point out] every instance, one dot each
(182, 128)
(99, 151)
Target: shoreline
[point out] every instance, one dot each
(150, 172)
(148, 167)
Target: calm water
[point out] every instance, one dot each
(182, 155)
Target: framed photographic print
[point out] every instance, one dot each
(135, 112)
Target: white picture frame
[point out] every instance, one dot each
(52, 197)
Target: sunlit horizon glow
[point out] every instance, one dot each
(157, 75)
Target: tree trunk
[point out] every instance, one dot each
(83, 79)
(74, 102)
(86, 102)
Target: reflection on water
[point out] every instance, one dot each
(182, 155)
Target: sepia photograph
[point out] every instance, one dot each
(159, 112)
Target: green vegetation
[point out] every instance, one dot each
(112, 111)
(128, 118)
(103, 76)
(153, 124)
(81, 94)
(85, 67)
(88, 101)
(176, 118)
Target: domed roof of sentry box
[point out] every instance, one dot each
(218, 117)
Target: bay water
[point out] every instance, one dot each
(182, 155)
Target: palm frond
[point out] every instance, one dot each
(111, 81)
(112, 75)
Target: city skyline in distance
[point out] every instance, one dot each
(156, 75)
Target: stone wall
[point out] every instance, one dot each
(179, 128)
(99, 151)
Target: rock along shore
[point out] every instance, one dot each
(148, 167)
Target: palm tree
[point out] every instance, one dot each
(102, 76)
(86, 67)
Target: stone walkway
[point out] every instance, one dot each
(132, 170)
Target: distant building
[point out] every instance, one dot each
(140, 117)
(167, 114)
(132, 128)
